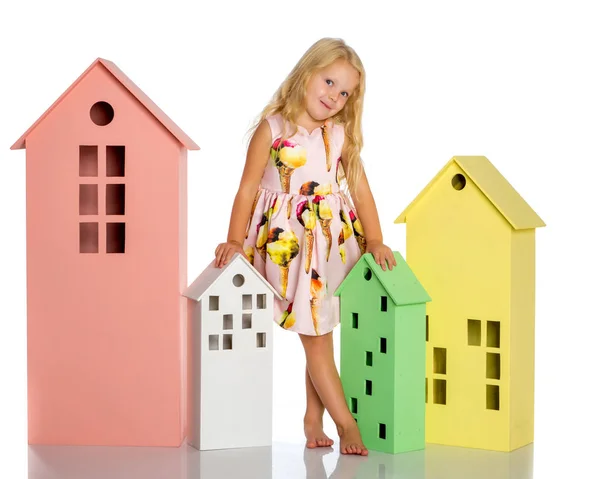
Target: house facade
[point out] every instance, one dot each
(382, 341)
(106, 180)
(230, 357)
(471, 242)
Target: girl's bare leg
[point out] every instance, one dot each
(313, 419)
(326, 380)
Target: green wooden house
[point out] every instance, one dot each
(382, 365)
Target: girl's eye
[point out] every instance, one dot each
(329, 82)
(345, 93)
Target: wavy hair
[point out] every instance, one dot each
(288, 100)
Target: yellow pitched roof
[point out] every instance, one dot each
(494, 186)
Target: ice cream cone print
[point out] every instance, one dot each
(314, 312)
(308, 188)
(345, 233)
(249, 251)
(339, 171)
(311, 188)
(261, 237)
(288, 318)
(285, 177)
(287, 156)
(275, 206)
(284, 272)
(327, 233)
(307, 218)
(309, 241)
(282, 247)
(289, 207)
(324, 189)
(325, 216)
(317, 290)
(262, 229)
(358, 232)
(342, 247)
(327, 148)
(256, 196)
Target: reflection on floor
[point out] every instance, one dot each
(281, 461)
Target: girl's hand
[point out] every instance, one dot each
(382, 254)
(225, 252)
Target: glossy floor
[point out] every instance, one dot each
(281, 461)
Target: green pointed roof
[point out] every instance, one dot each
(400, 283)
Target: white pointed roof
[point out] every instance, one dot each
(198, 289)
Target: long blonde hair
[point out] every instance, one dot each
(288, 100)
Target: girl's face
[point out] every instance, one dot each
(328, 90)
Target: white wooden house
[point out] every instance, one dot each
(230, 357)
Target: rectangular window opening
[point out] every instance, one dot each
(261, 340)
(383, 345)
(439, 360)
(426, 390)
(369, 358)
(355, 320)
(493, 334)
(261, 301)
(115, 199)
(384, 303)
(228, 321)
(354, 405)
(439, 391)
(213, 303)
(492, 366)
(382, 431)
(492, 397)
(246, 320)
(426, 327)
(246, 301)
(213, 342)
(115, 237)
(88, 160)
(474, 332)
(115, 160)
(228, 341)
(368, 387)
(88, 199)
(88, 237)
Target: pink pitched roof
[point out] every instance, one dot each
(134, 90)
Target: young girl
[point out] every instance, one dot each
(304, 236)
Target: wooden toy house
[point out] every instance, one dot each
(106, 177)
(382, 357)
(230, 357)
(470, 239)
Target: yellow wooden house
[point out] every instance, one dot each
(470, 239)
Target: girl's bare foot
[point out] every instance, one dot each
(350, 440)
(315, 437)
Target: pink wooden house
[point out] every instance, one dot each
(106, 266)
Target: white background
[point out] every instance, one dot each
(517, 82)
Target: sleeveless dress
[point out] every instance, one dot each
(303, 235)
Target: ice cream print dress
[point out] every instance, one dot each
(303, 236)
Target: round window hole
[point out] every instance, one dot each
(238, 280)
(459, 181)
(368, 274)
(102, 113)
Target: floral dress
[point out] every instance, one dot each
(303, 235)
